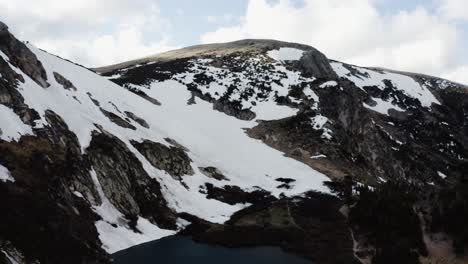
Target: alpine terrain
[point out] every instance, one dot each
(241, 144)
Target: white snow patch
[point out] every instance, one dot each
(78, 194)
(5, 175)
(442, 175)
(328, 84)
(318, 122)
(11, 126)
(285, 54)
(383, 106)
(403, 83)
(318, 156)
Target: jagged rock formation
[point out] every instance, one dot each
(254, 142)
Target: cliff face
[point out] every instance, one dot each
(255, 142)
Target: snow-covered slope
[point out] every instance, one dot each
(212, 139)
(204, 135)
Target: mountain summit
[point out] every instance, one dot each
(248, 143)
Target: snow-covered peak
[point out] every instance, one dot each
(89, 103)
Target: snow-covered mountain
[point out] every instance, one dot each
(255, 142)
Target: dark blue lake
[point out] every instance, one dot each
(178, 249)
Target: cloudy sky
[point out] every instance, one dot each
(428, 36)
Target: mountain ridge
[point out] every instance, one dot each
(266, 146)
(260, 44)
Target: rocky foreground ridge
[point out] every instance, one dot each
(254, 142)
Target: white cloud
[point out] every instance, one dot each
(90, 32)
(459, 74)
(354, 31)
(454, 9)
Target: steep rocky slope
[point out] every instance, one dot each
(255, 142)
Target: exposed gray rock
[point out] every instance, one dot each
(315, 63)
(3, 29)
(144, 95)
(176, 144)
(59, 134)
(213, 172)
(23, 58)
(117, 120)
(95, 102)
(233, 110)
(64, 82)
(126, 183)
(47, 167)
(173, 160)
(137, 119)
(10, 96)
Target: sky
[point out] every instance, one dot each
(426, 36)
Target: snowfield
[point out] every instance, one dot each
(212, 138)
(363, 77)
(285, 54)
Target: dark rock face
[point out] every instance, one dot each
(297, 225)
(64, 82)
(126, 183)
(144, 96)
(10, 97)
(173, 160)
(118, 120)
(363, 141)
(233, 195)
(233, 109)
(137, 119)
(3, 29)
(212, 172)
(382, 217)
(21, 57)
(314, 63)
(46, 169)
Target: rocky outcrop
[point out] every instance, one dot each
(137, 119)
(20, 56)
(3, 29)
(315, 63)
(124, 181)
(213, 172)
(47, 169)
(144, 96)
(296, 225)
(64, 82)
(173, 160)
(10, 97)
(233, 109)
(118, 120)
(234, 195)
